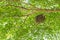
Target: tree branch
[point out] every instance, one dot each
(36, 9)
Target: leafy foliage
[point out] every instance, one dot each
(15, 24)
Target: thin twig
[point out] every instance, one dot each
(36, 9)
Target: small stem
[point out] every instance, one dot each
(35, 9)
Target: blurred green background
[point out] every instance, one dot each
(14, 26)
